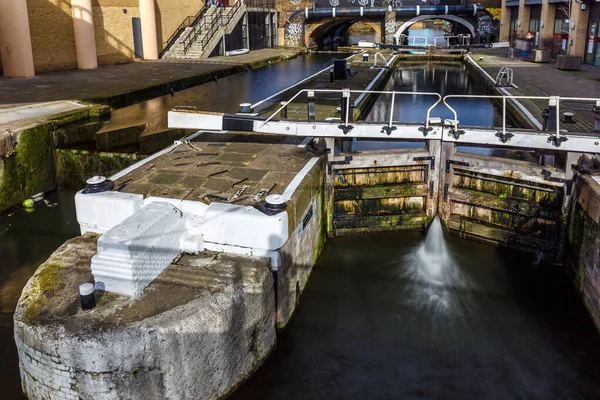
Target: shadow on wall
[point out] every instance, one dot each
(53, 41)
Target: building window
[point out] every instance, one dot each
(512, 33)
(534, 25)
(561, 32)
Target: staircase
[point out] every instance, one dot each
(200, 38)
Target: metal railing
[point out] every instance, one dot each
(554, 125)
(217, 20)
(424, 41)
(346, 93)
(188, 21)
(553, 101)
(462, 40)
(376, 56)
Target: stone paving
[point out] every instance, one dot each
(112, 80)
(218, 165)
(540, 79)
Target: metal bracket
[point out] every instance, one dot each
(568, 182)
(455, 133)
(425, 130)
(346, 128)
(431, 160)
(388, 129)
(504, 137)
(449, 163)
(557, 141)
(330, 164)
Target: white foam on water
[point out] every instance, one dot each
(436, 279)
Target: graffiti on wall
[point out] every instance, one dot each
(380, 3)
(294, 34)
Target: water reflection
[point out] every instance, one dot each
(26, 240)
(223, 95)
(445, 79)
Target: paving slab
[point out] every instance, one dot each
(544, 79)
(219, 164)
(112, 80)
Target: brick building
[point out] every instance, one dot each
(49, 35)
(547, 26)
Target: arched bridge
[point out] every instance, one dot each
(312, 26)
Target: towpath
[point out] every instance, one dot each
(107, 83)
(544, 79)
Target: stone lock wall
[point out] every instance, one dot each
(306, 220)
(217, 330)
(583, 243)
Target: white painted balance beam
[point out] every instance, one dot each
(476, 136)
(133, 253)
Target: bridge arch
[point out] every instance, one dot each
(419, 18)
(336, 29)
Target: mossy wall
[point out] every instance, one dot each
(582, 250)
(74, 167)
(29, 168)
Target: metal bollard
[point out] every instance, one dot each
(283, 112)
(365, 57)
(331, 78)
(86, 295)
(245, 108)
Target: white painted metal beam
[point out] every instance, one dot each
(368, 130)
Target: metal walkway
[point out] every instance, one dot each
(553, 137)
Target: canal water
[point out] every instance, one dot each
(381, 320)
(223, 95)
(26, 241)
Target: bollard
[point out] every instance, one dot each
(97, 184)
(86, 296)
(283, 112)
(365, 57)
(245, 108)
(596, 110)
(331, 78)
(311, 105)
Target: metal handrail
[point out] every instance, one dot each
(555, 99)
(402, 36)
(188, 21)
(217, 22)
(447, 39)
(378, 54)
(346, 117)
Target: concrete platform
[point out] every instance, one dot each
(219, 164)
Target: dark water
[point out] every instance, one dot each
(368, 328)
(445, 79)
(26, 240)
(224, 95)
